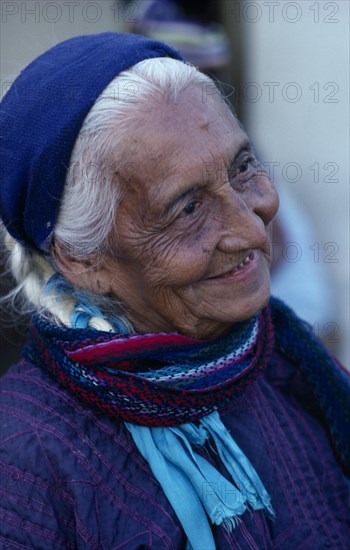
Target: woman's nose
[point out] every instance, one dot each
(263, 198)
(246, 215)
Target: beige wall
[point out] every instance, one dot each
(30, 27)
(296, 109)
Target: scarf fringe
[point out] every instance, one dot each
(195, 489)
(229, 524)
(223, 516)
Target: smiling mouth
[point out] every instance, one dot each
(244, 262)
(248, 258)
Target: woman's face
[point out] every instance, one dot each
(192, 228)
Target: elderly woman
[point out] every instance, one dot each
(163, 401)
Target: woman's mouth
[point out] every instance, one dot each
(244, 262)
(240, 271)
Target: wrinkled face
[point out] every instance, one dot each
(192, 227)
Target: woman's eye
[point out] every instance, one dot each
(244, 170)
(190, 208)
(246, 164)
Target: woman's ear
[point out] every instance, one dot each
(88, 273)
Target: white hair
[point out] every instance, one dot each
(92, 191)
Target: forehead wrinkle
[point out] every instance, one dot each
(203, 123)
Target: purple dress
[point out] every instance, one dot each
(73, 479)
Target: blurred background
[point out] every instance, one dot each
(286, 69)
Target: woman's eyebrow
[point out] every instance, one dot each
(245, 146)
(180, 196)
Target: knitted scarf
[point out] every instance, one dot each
(169, 379)
(160, 384)
(329, 382)
(154, 379)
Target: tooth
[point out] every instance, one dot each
(240, 265)
(246, 260)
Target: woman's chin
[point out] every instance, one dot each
(237, 304)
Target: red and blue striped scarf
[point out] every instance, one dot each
(169, 379)
(153, 379)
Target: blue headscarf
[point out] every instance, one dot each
(40, 118)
